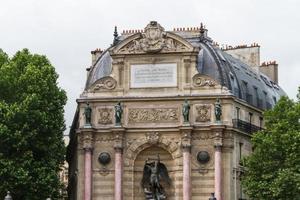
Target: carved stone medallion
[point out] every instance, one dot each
(202, 81)
(203, 113)
(105, 116)
(159, 115)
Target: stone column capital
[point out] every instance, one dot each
(218, 147)
(118, 139)
(186, 136)
(87, 140)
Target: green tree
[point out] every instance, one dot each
(273, 169)
(31, 127)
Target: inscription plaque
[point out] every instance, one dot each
(153, 75)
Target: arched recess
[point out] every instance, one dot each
(139, 162)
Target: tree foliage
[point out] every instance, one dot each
(273, 169)
(31, 127)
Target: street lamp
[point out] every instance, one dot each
(212, 197)
(8, 196)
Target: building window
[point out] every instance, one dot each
(261, 122)
(250, 121)
(237, 110)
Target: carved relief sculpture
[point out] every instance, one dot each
(153, 115)
(202, 81)
(106, 83)
(203, 113)
(105, 116)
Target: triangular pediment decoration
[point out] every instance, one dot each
(153, 40)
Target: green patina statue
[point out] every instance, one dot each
(186, 111)
(118, 114)
(88, 114)
(218, 110)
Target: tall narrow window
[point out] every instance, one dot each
(237, 110)
(250, 121)
(261, 122)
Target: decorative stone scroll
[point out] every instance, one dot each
(158, 115)
(154, 39)
(203, 113)
(106, 83)
(200, 80)
(105, 116)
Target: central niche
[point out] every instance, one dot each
(166, 159)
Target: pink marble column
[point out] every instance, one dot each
(186, 173)
(118, 174)
(87, 173)
(218, 172)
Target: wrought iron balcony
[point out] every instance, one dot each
(245, 126)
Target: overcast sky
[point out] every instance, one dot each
(67, 30)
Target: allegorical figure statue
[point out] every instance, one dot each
(218, 110)
(154, 173)
(118, 113)
(88, 114)
(186, 111)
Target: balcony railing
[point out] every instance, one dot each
(245, 126)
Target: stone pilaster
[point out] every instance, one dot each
(118, 146)
(218, 143)
(186, 132)
(87, 143)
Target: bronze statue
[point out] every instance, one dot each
(186, 111)
(155, 172)
(88, 114)
(218, 110)
(118, 114)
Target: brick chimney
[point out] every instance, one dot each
(96, 54)
(270, 69)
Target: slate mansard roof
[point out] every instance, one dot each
(242, 80)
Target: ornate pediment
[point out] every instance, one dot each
(153, 40)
